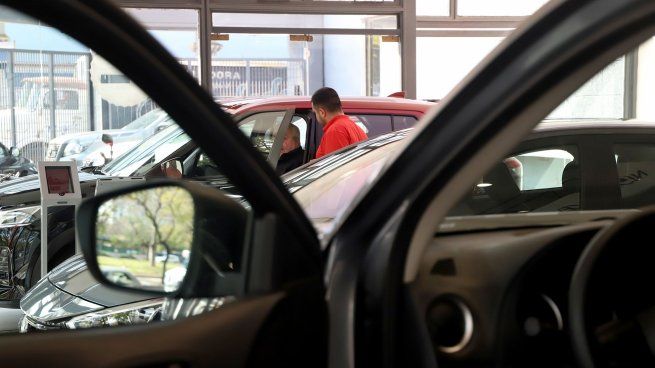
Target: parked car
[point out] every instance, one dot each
(95, 148)
(68, 298)
(390, 289)
(256, 119)
(553, 179)
(13, 164)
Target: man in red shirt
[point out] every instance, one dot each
(338, 130)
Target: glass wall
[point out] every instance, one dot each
(177, 30)
(274, 60)
(442, 62)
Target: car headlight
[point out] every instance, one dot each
(74, 148)
(129, 314)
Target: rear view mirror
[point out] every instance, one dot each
(158, 237)
(14, 152)
(145, 237)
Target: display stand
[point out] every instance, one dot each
(60, 186)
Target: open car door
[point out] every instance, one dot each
(273, 281)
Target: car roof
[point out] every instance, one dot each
(348, 103)
(592, 125)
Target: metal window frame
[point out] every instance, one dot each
(403, 9)
(410, 26)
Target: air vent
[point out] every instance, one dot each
(451, 324)
(444, 267)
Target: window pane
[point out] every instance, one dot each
(433, 7)
(442, 62)
(403, 122)
(355, 21)
(540, 169)
(498, 7)
(542, 180)
(373, 125)
(176, 30)
(635, 165)
(302, 124)
(273, 65)
(262, 129)
(599, 98)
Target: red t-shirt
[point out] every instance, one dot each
(338, 133)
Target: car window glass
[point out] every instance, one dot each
(262, 128)
(372, 125)
(404, 122)
(302, 124)
(146, 119)
(542, 180)
(135, 159)
(635, 166)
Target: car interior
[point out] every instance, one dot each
(512, 269)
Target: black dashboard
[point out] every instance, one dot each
(500, 297)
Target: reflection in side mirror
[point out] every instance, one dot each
(144, 238)
(173, 168)
(15, 152)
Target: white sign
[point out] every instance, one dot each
(60, 185)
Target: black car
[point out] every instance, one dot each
(256, 118)
(13, 164)
(549, 172)
(386, 286)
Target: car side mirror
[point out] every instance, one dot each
(173, 168)
(173, 238)
(14, 152)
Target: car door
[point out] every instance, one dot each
(278, 317)
(475, 126)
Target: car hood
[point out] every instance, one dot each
(91, 136)
(71, 290)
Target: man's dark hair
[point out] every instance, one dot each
(327, 98)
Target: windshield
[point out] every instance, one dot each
(342, 176)
(147, 154)
(145, 120)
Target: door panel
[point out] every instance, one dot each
(220, 338)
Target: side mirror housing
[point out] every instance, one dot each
(14, 152)
(172, 238)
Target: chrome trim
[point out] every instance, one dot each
(555, 309)
(468, 329)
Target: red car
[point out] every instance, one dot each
(375, 115)
(170, 151)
